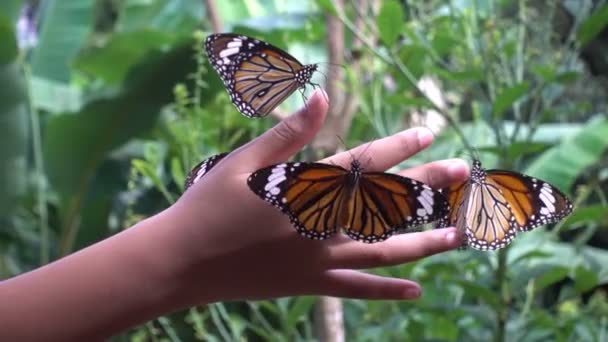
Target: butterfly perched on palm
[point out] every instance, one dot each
(202, 168)
(257, 75)
(321, 199)
(493, 205)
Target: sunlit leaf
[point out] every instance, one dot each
(66, 25)
(561, 164)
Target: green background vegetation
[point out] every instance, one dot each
(101, 119)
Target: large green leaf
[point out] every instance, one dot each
(177, 16)
(13, 135)
(561, 164)
(10, 9)
(124, 50)
(8, 48)
(13, 116)
(66, 25)
(76, 143)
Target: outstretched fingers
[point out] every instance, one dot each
(356, 284)
(397, 250)
(385, 153)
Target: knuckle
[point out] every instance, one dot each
(380, 256)
(287, 130)
(409, 142)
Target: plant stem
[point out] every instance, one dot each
(502, 311)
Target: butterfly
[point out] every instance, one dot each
(321, 199)
(257, 75)
(202, 169)
(493, 205)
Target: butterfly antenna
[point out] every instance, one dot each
(352, 156)
(304, 97)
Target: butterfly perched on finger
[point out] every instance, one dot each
(202, 168)
(258, 76)
(492, 206)
(321, 199)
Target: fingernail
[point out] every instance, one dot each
(411, 293)
(450, 237)
(425, 137)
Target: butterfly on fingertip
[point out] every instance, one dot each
(258, 76)
(202, 168)
(321, 199)
(492, 206)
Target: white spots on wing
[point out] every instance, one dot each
(235, 43)
(277, 176)
(229, 52)
(546, 196)
(426, 201)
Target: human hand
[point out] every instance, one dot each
(235, 246)
(221, 242)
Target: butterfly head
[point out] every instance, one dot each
(304, 76)
(478, 174)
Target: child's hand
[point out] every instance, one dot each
(236, 246)
(221, 242)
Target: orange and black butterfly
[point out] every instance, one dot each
(321, 199)
(493, 205)
(257, 75)
(202, 169)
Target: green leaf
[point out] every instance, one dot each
(550, 275)
(593, 25)
(327, 6)
(177, 16)
(390, 22)
(8, 48)
(300, 307)
(507, 97)
(583, 215)
(584, 279)
(124, 50)
(567, 77)
(10, 9)
(177, 172)
(561, 164)
(14, 128)
(75, 144)
(66, 25)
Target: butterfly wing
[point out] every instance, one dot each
(202, 169)
(533, 202)
(454, 195)
(309, 193)
(493, 205)
(487, 216)
(257, 75)
(370, 207)
(384, 203)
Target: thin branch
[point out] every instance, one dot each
(214, 17)
(395, 61)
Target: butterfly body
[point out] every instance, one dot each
(322, 199)
(257, 75)
(493, 205)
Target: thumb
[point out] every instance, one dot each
(286, 138)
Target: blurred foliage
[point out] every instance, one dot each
(102, 118)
